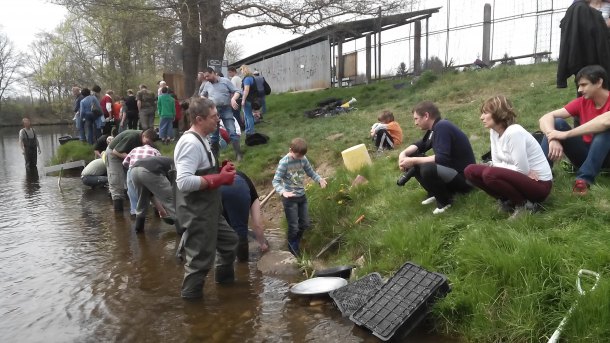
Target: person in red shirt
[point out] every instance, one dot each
(106, 103)
(588, 152)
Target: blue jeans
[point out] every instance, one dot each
(226, 115)
(249, 118)
(166, 126)
(91, 130)
(588, 158)
(236, 205)
(132, 193)
(295, 209)
(263, 106)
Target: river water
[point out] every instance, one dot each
(71, 270)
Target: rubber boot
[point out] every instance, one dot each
(225, 274)
(118, 205)
(243, 247)
(192, 285)
(216, 150)
(139, 225)
(237, 149)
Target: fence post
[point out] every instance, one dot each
(340, 64)
(417, 49)
(486, 33)
(368, 58)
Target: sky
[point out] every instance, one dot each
(21, 20)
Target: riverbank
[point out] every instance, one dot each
(512, 281)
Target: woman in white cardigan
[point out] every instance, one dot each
(519, 175)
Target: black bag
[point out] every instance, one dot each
(96, 110)
(267, 87)
(256, 139)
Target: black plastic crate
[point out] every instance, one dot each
(402, 302)
(350, 298)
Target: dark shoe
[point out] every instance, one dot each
(243, 247)
(581, 187)
(293, 247)
(225, 274)
(118, 205)
(139, 225)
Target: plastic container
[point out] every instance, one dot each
(356, 157)
(402, 302)
(340, 271)
(350, 298)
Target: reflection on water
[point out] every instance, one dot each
(74, 271)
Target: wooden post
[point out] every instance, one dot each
(368, 58)
(486, 33)
(417, 49)
(340, 64)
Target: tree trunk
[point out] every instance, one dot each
(213, 33)
(189, 24)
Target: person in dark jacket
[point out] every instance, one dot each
(584, 41)
(441, 174)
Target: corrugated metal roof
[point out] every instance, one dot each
(348, 31)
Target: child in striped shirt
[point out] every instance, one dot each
(288, 182)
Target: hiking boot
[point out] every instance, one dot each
(440, 210)
(581, 187)
(225, 274)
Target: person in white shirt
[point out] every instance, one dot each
(519, 175)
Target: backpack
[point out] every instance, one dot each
(256, 139)
(267, 87)
(253, 93)
(96, 110)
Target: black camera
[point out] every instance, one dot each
(404, 178)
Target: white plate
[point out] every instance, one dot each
(318, 285)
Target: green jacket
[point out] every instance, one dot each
(166, 106)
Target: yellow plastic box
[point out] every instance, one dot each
(356, 157)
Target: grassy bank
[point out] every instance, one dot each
(512, 281)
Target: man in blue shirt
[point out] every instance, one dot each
(441, 174)
(224, 94)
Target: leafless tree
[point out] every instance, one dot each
(233, 51)
(10, 61)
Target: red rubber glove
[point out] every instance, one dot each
(226, 177)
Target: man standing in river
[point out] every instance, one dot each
(198, 202)
(29, 144)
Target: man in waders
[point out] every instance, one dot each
(29, 144)
(198, 202)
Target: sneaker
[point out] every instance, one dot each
(533, 207)
(581, 187)
(439, 210)
(517, 212)
(428, 201)
(505, 206)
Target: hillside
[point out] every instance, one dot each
(513, 281)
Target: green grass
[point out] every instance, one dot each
(512, 281)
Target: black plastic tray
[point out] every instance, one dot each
(402, 302)
(350, 298)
